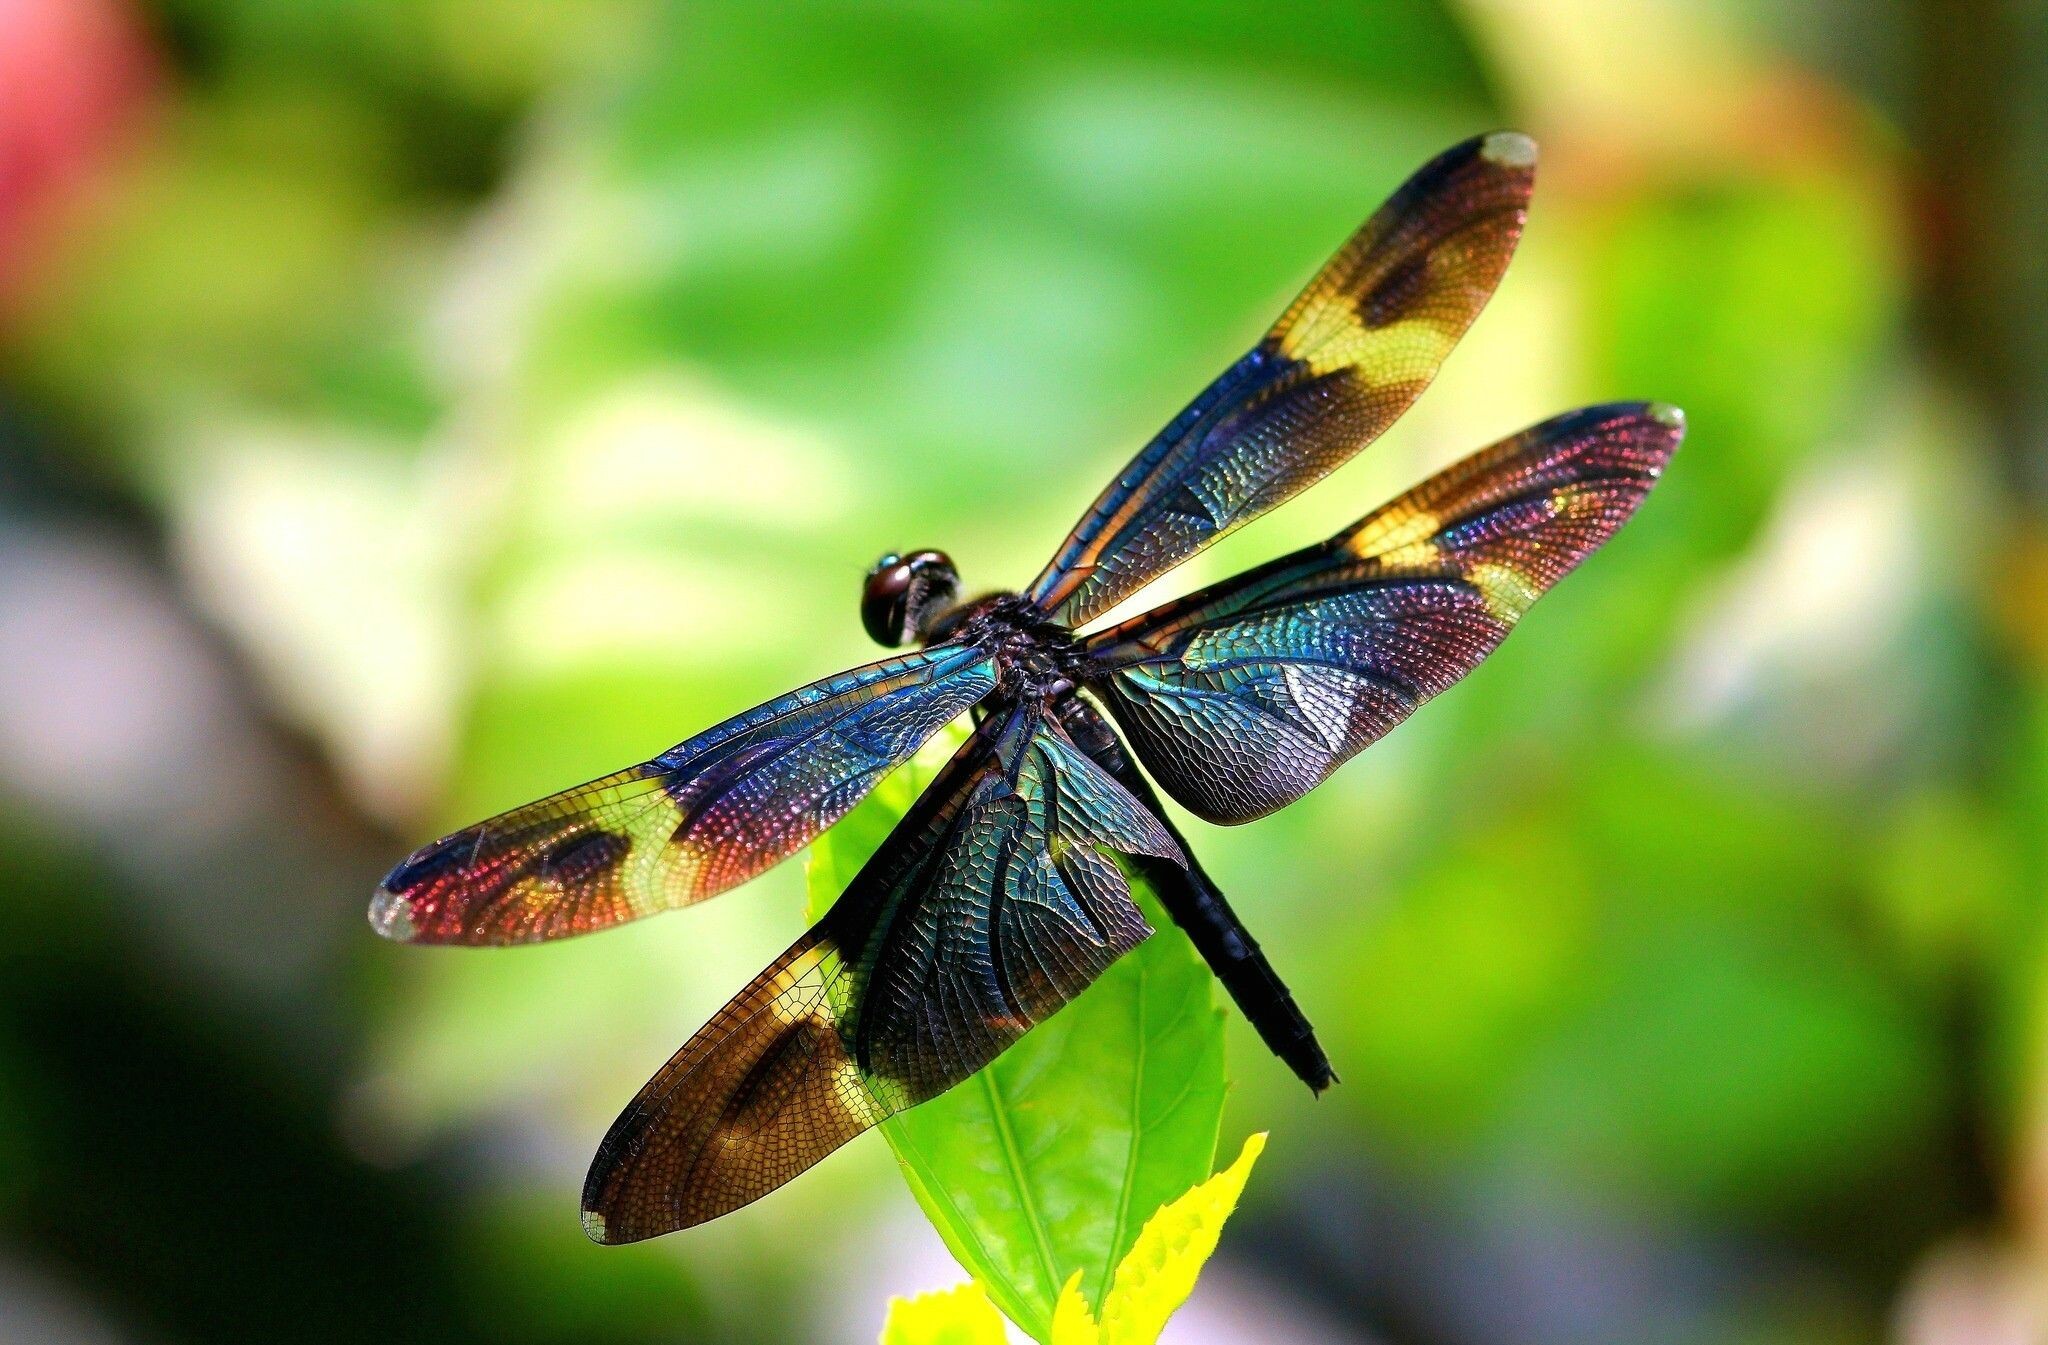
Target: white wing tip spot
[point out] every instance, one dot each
(1509, 149)
(391, 916)
(1667, 415)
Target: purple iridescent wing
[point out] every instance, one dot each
(992, 904)
(1348, 357)
(700, 818)
(1245, 696)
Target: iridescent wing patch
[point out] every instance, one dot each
(1349, 356)
(993, 903)
(1241, 698)
(700, 818)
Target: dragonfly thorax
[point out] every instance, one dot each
(1035, 657)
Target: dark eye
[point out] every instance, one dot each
(885, 603)
(907, 595)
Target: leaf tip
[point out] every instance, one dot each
(1072, 1323)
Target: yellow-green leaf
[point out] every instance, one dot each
(1159, 1274)
(1071, 1322)
(957, 1316)
(1151, 1283)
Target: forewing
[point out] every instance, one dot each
(1349, 356)
(993, 903)
(700, 818)
(1243, 697)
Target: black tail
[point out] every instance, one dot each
(1197, 907)
(1195, 904)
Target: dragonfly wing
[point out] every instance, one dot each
(700, 818)
(993, 903)
(1243, 697)
(1349, 356)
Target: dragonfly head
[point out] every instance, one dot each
(906, 595)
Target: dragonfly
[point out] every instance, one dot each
(1006, 888)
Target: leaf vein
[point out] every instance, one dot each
(1015, 1164)
(1114, 1251)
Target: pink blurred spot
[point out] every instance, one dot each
(75, 82)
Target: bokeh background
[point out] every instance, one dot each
(407, 410)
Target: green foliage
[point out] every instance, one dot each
(1046, 1163)
(1804, 285)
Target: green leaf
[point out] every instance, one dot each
(1047, 1162)
(1151, 1282)
(957, 1316)
(1159, 1274)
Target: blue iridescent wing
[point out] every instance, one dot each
(700, 818)
(1243, 697)
(994, 902)
(1347, 358)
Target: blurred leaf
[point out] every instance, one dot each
(985, 244)
(958, 1316)
(1047, 1159)
(530, 1277)
(1468, 973)
(1759, 301)
(229, 264)
(1946, 882)
(1159, 1274)
(1728, 1065)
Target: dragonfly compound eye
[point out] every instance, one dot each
(905, 595)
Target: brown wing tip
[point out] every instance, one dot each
(1657, 427)
(610, 1217)
(611, 1223)
(613, 1217)
(605, 1233)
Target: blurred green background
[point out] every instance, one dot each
(407, 410)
